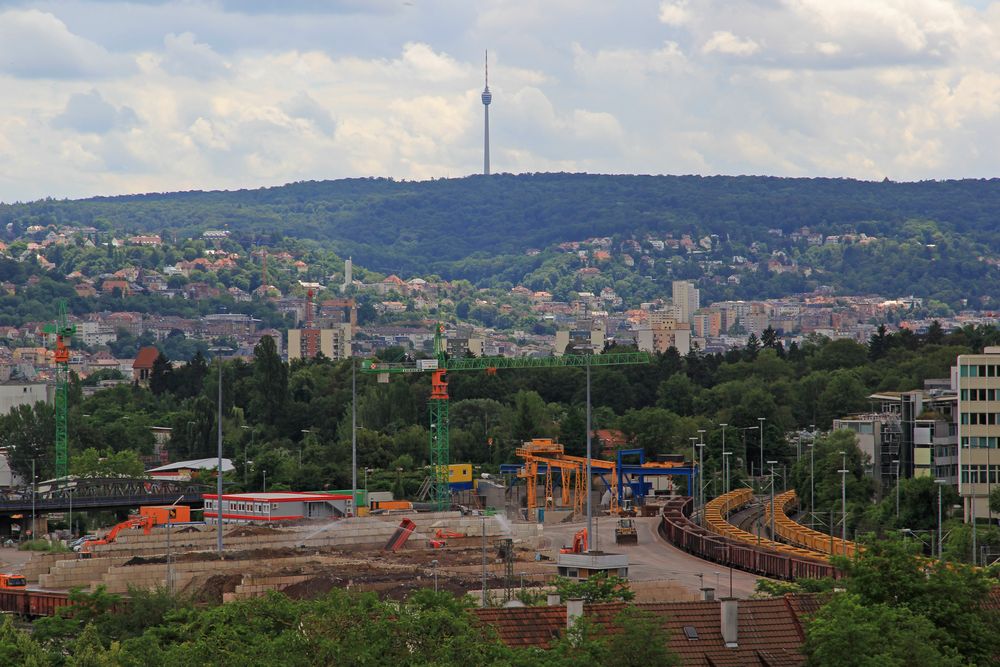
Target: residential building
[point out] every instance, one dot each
(142, 367)
(585, 336)
(334, 342)
(687, 298)
(978, 379)
(914, 430)
(14, 394)
(459, 346)
(664, 332)
(182, 471)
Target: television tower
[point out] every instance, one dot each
(487, 98)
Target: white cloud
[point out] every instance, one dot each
(725, 42)
(35, 44)
(104, 97)
(674, 12)
(89, 112)
(183, 56)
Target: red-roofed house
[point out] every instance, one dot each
(766, 632)
(142, 367)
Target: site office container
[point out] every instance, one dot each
(162, 514)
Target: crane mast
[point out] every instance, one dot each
(437, 405)
(63, 332)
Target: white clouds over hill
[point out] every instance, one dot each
(109, 97)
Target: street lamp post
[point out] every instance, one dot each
(761, 420)
(70, 493)
(354, 442)
(940, 549)
(434, 565)
(725, 463)
(34, 491)
(812, 481)
(843, 503)
(218, 484)
(896, 462)
(701, 466)
(694, 477)
(264, 490)
(725, 467)
(772, 464)
(588, 484)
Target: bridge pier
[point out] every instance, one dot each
(6, 527)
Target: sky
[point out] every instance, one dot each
(100, 97)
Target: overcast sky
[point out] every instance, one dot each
(103, 97)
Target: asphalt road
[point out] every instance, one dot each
(656, 559)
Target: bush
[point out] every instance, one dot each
(43, 545)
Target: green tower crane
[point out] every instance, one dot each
(437, 405)
(63, 332)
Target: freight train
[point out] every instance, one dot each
(677, 527)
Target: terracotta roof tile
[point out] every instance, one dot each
(146, 357)
(770, 630)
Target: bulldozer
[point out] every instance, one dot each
(625, 532)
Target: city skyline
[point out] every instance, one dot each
(201, 95)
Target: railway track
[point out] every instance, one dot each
(722, 542)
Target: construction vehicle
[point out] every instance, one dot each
(400, 535)
(627, 508)
(579, 543)
(12, 581)
(625, 532)
(135, 522)
(443, 534)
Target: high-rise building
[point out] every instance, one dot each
(487, 98)
(978, 428)
(333, 342)
(687, 299)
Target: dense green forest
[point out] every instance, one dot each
(931, 235)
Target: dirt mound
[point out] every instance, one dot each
(251, 531)
(213, 588)
(313, 588)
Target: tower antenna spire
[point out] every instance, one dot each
(487, 97)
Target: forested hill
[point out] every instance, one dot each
(479, 227)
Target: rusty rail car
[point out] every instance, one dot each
(677, 527)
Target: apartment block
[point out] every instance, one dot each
(334, 342)
(915, 431)
(687, 299)
(978, 379)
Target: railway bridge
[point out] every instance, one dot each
(93, 493)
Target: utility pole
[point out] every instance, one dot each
(843, 504)
(771, 463)
(354, 439)
(940, 548)
(725, 460)
(896, 461)
(761, 420)
(34, 491)
(701, 467)
(587, 485)
(484, 560)
(218, 484)
(812, 481)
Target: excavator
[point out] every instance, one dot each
(144, 522)
(579, 543)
